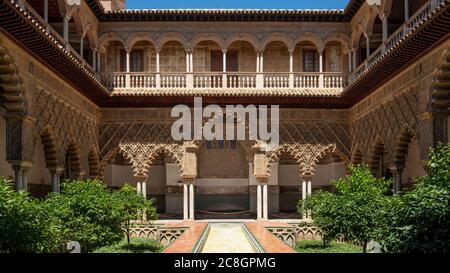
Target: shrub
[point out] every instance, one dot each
(136, 245)
(133, 206)
(355, 212)
(88, 212)
(419, 220)
(25, 225)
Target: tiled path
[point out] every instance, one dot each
(187, 240)
(268, 241)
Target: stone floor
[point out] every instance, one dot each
(186, 242)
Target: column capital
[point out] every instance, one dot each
(224, 50)
(262, 179)
(307, 177)
(188, 180)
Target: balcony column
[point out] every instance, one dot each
(158, 69)
(367, 48)
(82, 46)
(354, 60)
(260, 70)
(99, 63)
(18, 177)
(406, 10)
(350, 64)
(321, 78)
(94, 59)
(66, 19)
(46, 11)
(189, 69)
(224, 75)
(291, 68)
(127, 76)
(385, 28)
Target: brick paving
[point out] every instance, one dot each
(186, 242)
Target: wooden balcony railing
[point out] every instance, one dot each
(228, 80)
(413, 22)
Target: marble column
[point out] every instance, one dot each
(265, 205)
(185, 201)
(191, 202)
(259, 201)
(224, 70)
(18, 178)
(406, 10)
(25, 179)
(55, 182)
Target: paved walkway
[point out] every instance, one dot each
(186, 242)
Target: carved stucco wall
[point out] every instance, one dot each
(55, 109)
(399, 107)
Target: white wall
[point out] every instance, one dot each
(5, 168)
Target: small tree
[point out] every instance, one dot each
(133, 206)
(24, 223)
(88, 212)
(355, 212)
(419, 220)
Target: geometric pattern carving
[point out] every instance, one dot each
(384, 124)
(285, 234)
(306, 155)
(63, 125)
(164, 235)
(140, 143)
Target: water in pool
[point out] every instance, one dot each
(228, 238)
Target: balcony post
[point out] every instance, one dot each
(260, 71)
(224, 75)
(46, 11)
(385, 30)
(66, 29)
(158, 70)
(406, 10)
(82, 46)
(291, 68)
(99, 61)
(127, 75)
(350, 54)
(354, 60)
(367, 49)
(321, 78)
(189, 69)
(94, 59)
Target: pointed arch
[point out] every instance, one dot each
(73, 161)
(376, 156)
(402, 146)
(94, 163)
(49, 143)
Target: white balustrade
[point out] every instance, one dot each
(241, 80)
(276, 80)
(236, 80)
(306, 80)
(208, 80)
(332, 80)
(173, 80)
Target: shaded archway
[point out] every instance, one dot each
(94, 164)
(72, 166)
(223, 182)
(377, 159)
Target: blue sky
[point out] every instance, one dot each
(236, 4)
